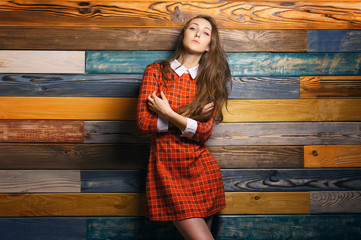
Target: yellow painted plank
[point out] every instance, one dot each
(132, 204)
(332, 156)
(279, 110)
(16, 61)
(76, 108)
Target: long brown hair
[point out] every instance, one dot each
(212, 77)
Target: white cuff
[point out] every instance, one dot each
(162, 124)
(190, 129)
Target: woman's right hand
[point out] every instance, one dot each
(207, 110)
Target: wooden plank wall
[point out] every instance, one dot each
(72, 163)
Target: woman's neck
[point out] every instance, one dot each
(189, 60)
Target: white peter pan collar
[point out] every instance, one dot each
(180, 69)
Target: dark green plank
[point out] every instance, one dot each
(110, 85)
(242, 64)
(73, 156)
(255, 227)
(236, 180)
(43, 228)
(334, 40)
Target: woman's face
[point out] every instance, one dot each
(197, 36)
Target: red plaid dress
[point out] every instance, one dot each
(183, 178)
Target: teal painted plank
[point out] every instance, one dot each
(242, 64)
(110, 85)
(236, 180)
(127, 85)
(43, 228)
(334, 40)
(231, 227)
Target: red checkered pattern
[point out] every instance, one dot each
(183, 178)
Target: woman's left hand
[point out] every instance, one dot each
(159, 105)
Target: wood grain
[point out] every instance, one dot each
(258, 156)
(270, 227)
(108, 38)
(289, 110)
(56, 228)
(330, 87)
(242, 64)
(41, 131)
(75, 108)
(233, 134)
(21, 181)
(332, 156)
(132, 204)
(236, 180)
(70, 85)
(239, 14)
(73, 156)
(333, 40)
(16, 61)
(335, 202)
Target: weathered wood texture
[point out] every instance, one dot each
(132, 204)
(85, 38)
(76, 108)
(232, 134)
(127, 85)
(335, 202)
(335, 156)
(333, 41)
(289, 110)
(69, 85)
(242, 64)
(330, 87)
(17, 181)
(242, 15)
(226, 227)
(33, 228)
(258, 156)
(41, 131)
(74, 156)
(236, 180)
(15, 156)
(41, 61)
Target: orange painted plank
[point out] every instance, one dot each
(328, 156)
(76, 108)
(229, 14)
(132, 204)
(41, 131)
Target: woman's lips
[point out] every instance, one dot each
(195, 41)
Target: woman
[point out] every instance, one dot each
(178, 102)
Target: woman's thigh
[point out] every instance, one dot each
(194, 229)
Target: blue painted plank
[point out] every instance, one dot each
(334, 40)
(110, 85)
(43, 228)
(242, 64)
(236, 180)
(230, 227)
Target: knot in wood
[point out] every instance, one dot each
(257, 197)
(315, 153)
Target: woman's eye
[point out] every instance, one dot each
(206, 33)
(191, 28)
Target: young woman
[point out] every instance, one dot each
(178, 103)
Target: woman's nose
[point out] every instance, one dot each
(197, 33)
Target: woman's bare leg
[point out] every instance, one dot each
(194, 229)
(209, 221)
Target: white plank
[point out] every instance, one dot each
(17, 181)
(16, 61)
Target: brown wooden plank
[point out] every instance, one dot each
(21, 181)
(76, 108)
(280, 110)
(335, 202)
(229, 14)
(332, 156)
(258, 156)
(132, 204)
(74, 156)
(17, 61)
(41, 131)
(330, 87)
(87, 38)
